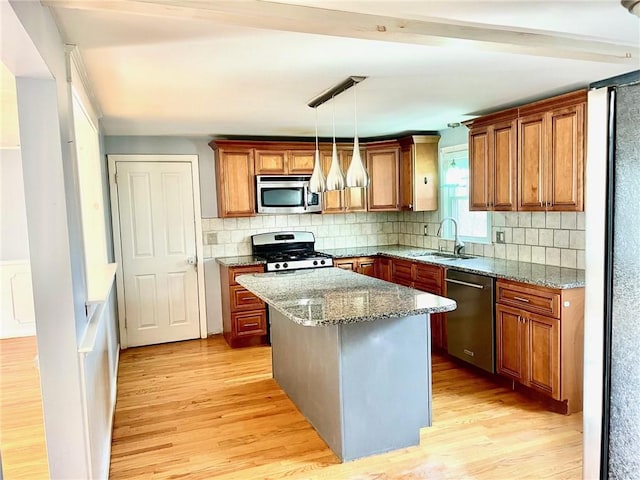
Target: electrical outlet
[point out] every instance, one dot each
(211, 238)
(499, 236)
(426, 230)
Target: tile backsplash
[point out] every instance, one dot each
(552, 238)
(232, 236)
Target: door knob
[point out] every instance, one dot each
(192, 260)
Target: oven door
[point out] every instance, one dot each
(283, 195)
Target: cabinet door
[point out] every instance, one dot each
(511, 344)
(366, 266)
(406, 178)
(503, 180)
(345, 263)
(271, 162)
(300, 162)
(438, 324)
(333, 201)
(543, 354)
(532, 162)
(383, 268)
(384, 172)
(565, 131)
(355, 199)
(236, 189)
(401, 272)
(479, 168)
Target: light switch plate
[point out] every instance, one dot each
(499, 237)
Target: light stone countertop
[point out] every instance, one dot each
(532, 273)
(332, 296)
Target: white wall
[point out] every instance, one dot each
(14, 243)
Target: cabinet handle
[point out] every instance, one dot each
(255, 324)
(521, 299)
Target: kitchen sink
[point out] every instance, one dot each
(444, 256)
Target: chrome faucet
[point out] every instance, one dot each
(458, 244)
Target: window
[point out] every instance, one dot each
(454, 198)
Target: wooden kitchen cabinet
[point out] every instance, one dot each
(270, 162)
(492, 163)
(382, 268)
(244, 316)
(349, 199)
(419, 173)
(235, 187)
(428, 278)
(383, 166)
(539, 340)
(362, 265)
(551, 161)
(530, 158)
(285, 161)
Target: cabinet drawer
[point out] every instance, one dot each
(250, 323)
(530, 298)
(237, 271)
(243, 299)
(428, 277)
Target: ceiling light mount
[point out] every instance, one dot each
(335, 91)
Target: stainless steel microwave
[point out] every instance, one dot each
(283, 194)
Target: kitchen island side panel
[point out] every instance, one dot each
(386, 384)
(305, 363)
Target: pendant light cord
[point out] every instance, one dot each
(355, 108)
(316, 110)
(333, 104)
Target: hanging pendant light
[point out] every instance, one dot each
(356, 173)
(317, 182)
(335, 178)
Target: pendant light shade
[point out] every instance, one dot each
(335, 178)
(356, 173)
(317, 182)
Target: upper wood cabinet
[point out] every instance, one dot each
(383, 166)
(530, 158)
(284, 161)
(419, 173)
(269, 162)
(349, 199)
(552, 148)
(492, 163)
(235, 187)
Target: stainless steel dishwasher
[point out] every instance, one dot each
(471, 326)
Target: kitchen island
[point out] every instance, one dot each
(353, 353)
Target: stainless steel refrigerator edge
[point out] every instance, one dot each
(612, 360)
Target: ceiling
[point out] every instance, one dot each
(196, 67)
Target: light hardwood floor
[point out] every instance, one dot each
(200, 410)
(22, 443)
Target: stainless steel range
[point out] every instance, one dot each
(288, 251)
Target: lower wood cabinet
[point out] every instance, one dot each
(383, 268)
(428, 278)
(363, 265)
(539, 339)
(244, 316)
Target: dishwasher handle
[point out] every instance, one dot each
(466, 284)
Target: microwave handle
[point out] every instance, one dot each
(306, 197)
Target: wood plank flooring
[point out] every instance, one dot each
(200, 410)
(22, 441)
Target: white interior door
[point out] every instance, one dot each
(157, 236)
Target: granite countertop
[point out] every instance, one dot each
(332, 296)
(532, 273)
(239, 260)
